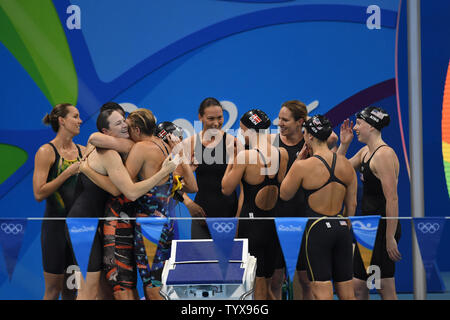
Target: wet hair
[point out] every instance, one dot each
(297, 108)
(319, 126)
(102, 119)
(144, 120)
(113, 106)
(167, 127)
(60, 110)
(376, 117)
(256, 119)
(208, 102)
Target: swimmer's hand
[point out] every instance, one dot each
(195, 210)
(173, 141)
(86, 168)
(171, 163)
(74, 168)
(175, 144)
(194, 163)
(392, 249)
(305, 153)
(346, 134)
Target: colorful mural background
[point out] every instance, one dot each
(169, 55)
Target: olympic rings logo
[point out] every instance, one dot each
(428, 227)
(223, 227)
(11, 228)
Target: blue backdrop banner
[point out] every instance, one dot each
(152, 227)
(290, 233)
(365, 230)
(429, 232)
(11, 236)
(82, 232)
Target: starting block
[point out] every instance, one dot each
(192, 272)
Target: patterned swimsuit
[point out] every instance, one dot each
(118, 242)
(124, 245)
(153, 204)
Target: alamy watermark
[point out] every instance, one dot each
(73, 21)
(374, 20)
(374, 279)
(74, 279)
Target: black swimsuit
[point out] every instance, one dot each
(90, 203)
(374, 203)
(328, 242)
(294, 207)
(209, 174)
(56, 251)
(261, 234)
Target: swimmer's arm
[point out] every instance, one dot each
(233, 174)
(100, 180)
(272, 137)
(350, 196)
(284, 157)
(292, 182)
(240, 200)
(188, 149)
(135, 160)
(342, 149)
(194, 209)
(184, 168)
(44, 159)
(121, 179)
(332, 141)
(234, 146)
(189, 181)
(104, 141)
(355, 160)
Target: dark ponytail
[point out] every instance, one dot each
(60, 110)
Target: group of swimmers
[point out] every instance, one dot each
(132, 167)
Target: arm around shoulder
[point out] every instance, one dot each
(101, 140)
(100, 180)
(121, 178)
